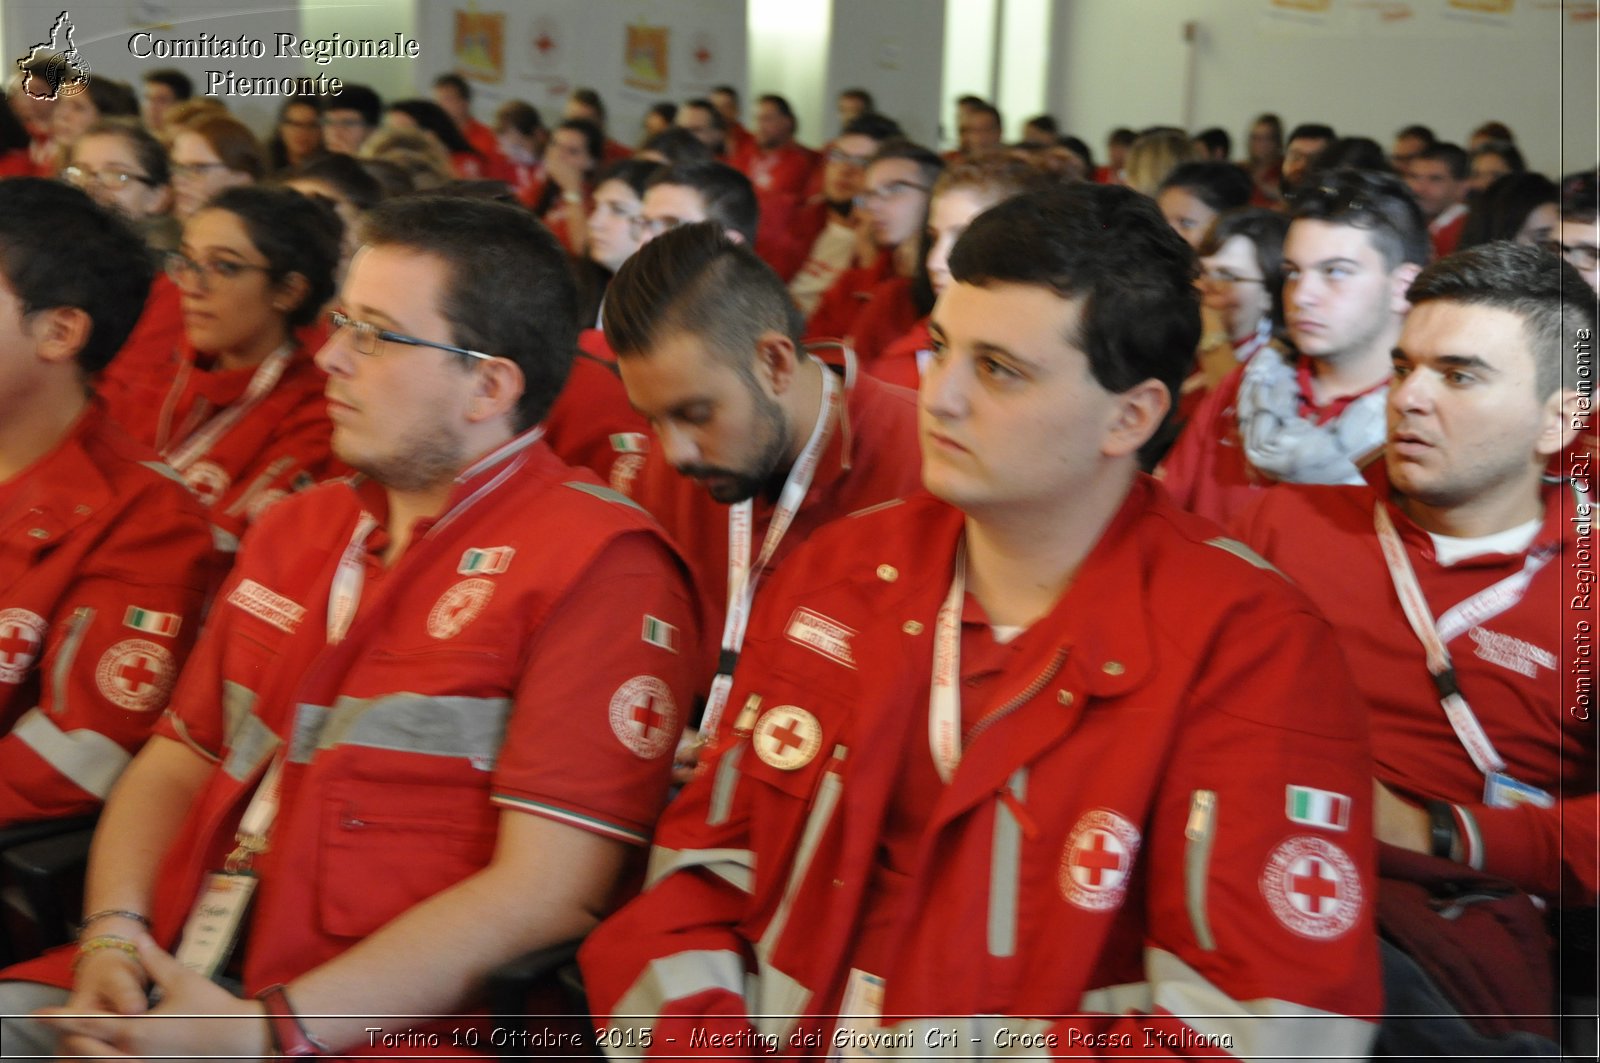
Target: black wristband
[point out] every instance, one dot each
(1442, 831)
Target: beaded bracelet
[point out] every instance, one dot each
(107, 941)
(138, 917)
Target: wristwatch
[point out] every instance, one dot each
(289, 1035)
(1442, 832)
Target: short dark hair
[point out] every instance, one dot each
(113, 99)
(1122, 136)
(174, 79)
(434, 119)
(695, 280)
(729, 198)
(988, 110)
(1265, 229)
(1311, 131)
(872, 125)
(929, 165)
(1216, 139)
(508, 290)
(520, 115)
(1221, 186)
(1494, 131)
(294, 233)
(1550, 296)
(1108, 247)
(678, 145)
(781, 105)
(1356, 153)
(346, 174)
(725, 90)
(666, 110)
(1417, 132)
(858, 93)
(358, 98)
(150, 152)
(700, 103)
(60, 248)
(635, 173)
(454, 81)
(1451, 155)
(1580, 196)
(594, 138)
(1044, 123)
(1377, 202)
(590, 99)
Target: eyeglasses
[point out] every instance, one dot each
(305, 123)
(181, 268)
(366, 336)
(1227, 276)
(890, 190)
(1582, 256)
(196, 169)
(858, 161)
(109, 180)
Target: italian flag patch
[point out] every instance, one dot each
(489, 561)
(1318, 808)
(660, 633)
(151, 622)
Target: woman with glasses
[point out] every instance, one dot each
(1241, 288)
(237, 409)
(210, 155)
(297, 137)
(124, 168)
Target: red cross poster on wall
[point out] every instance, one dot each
(645, 58)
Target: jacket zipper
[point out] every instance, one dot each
(1027, 695)
(1200, 832)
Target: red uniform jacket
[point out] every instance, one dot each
(105, 565)
(851, 292)
(281, 445)
(592, 425)
(506, 662)
(1116, 866)
(1516, 669)
(787, 250)
(898, 363)
(882, 461)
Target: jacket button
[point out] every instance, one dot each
(912, 627)
(888, 573)
(1064, 697)
(1113, 668)
(838, 883)
(39, 533)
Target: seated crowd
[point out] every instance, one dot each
(429, 541)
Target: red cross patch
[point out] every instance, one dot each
(21, 639)
(1097, 860)
(458, 607)
(136, 674)
(1312, 887)
(787, 737)
(644, 717)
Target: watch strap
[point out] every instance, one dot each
(289, 1035)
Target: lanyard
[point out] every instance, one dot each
(742, 575)
(198, 443)
(348, 579)
(944, 697)
(256, 822)
(1486, 604)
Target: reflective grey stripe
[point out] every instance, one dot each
(238, 703)
(672, 978)
(1264, 1028)
(440, 726)
(1117, 999)
(1243, 552)
(224, 541)
(250, 748)
(605, 494)
(88, 758)
(737, 866)
(77, 627)
(722, 789)
(165, 470)
(1005, 870)
(779, 998)
(1200, 832)
(308, 723)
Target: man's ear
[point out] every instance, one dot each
(777, 361)
(500, 384)
(61, 332)
(1399, 282)
(1565, 414)
(1139, 413)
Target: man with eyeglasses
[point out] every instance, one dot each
(433, 713)
(874, 304)
(105, 561)
(828, 235)
(1579, 234)
(349, 118)
(1312, 411)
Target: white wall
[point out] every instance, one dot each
(893, 49)
(788, 47)
(1122, 63)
